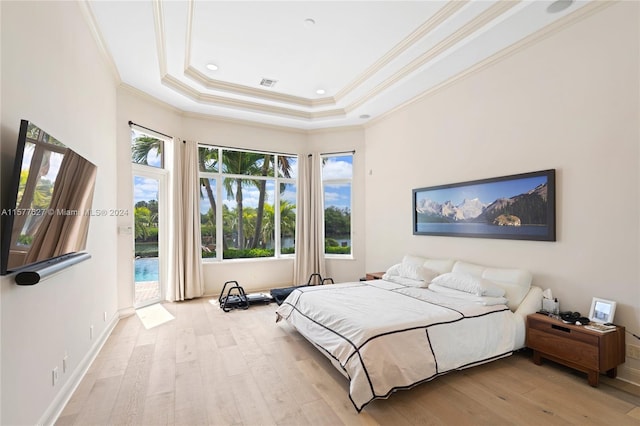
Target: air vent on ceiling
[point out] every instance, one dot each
(268, 82)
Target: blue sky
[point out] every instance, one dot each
(339, 167)
(144, 189)
(487, 192)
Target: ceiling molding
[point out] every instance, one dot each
(158, 25)
(90, 19)
(471, 27)
(149, 98)
(442, 15)
(239, 89)
(239, 121)
(561, 24)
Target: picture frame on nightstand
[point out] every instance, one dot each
(602, 310)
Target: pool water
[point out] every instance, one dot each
(146, 269)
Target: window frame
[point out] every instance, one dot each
(340, 181)
(218, 177)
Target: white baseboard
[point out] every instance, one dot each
(62, 398)
(126, 312)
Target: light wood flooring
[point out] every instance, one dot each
(241, 368)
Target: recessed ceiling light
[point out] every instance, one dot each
(365, 116)
(212, 67)
(321, 91)
(309, 22)
(559, 6)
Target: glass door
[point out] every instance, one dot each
(149, 235)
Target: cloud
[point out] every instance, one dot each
(335, 168)
(145, 189)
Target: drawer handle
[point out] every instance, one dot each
(558, 327)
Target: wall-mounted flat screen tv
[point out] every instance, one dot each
(49, 200)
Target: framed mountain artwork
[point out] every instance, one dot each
(518, 207)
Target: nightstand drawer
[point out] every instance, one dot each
(570, 346)
(562, 332)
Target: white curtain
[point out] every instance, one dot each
(310, 226)
(186, 281)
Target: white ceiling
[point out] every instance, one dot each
(368, 56)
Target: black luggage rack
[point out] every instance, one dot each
(240, 300)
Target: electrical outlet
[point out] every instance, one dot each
(633, 351)
(65, 363)
(54, 376)
(91, 332)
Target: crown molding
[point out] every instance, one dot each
(148, 98)
(472, 26)
(561, 24)
(222, 119)
(442, 15)
(241, 122)
(90, 20)
(239, 89)
(158, 25)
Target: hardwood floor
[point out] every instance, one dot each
(241, 368)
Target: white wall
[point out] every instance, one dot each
(569, 102)
(53, 75)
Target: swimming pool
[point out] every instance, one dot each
(146, 269)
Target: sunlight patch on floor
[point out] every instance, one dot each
(154, 315)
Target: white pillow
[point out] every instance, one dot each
(412, 271)
(482, 300)
(469, 283)
(393, 271)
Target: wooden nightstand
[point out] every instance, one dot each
(374, 276)
(575, 346)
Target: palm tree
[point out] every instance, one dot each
(142, 219)
(287, 218)
(285, 167)
(208, 161)
(142, 147)
(238, 162)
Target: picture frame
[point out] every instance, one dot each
(602, 310)
(520, 207)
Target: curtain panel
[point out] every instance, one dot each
(310, 226)
(186, 279)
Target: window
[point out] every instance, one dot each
(146, 150)
(150, 217)
(247, 203)
(337, 173)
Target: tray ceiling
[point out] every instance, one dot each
(311, 65)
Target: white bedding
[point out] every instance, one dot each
(386, 336)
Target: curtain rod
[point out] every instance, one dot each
(235, 148)
(131, 123)
(335, 153)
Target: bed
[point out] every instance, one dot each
(424, 318)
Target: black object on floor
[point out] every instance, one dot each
(236, 298)
(279, 294)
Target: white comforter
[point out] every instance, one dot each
(387, 337)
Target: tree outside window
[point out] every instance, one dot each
(337, 174)
(239, 198)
